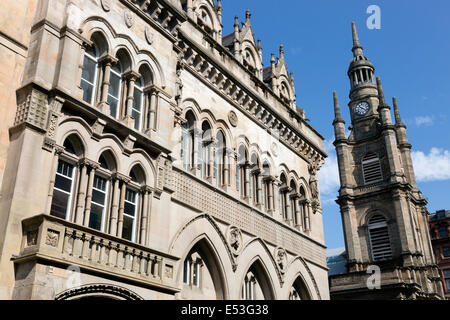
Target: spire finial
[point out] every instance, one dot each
(281, 51)
(247, 15)
(272, 59)
(398, 119)
(337, 109)
(259, 46)
(381, 93)
(357, 49)
(355, 36)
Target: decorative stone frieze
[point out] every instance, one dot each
(31, 108)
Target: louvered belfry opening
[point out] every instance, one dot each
(371, 168)
(379, 239)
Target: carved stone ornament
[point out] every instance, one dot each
(232, 117)
(235, 240)
(106, 5)
(149, 36)
(281, 259)
(274, 149)
(52, 238)
(129, 18)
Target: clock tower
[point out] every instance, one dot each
(383, 213)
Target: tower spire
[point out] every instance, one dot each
(381, 93)
(337, 109)
(357, 49)
(398, 119)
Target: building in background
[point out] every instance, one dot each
(152, 158)
(440, 238)
(384, 215)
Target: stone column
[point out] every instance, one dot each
(246, 182)
(258, 189)
(108, 61)
(115, 205)
(146, 191)
(51, 186)
(122, 207)
(87, 210)
(154, 99)
(79, 214)
(132, 76)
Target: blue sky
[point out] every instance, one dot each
(411, 54)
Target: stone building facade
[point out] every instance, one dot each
(440, 239)
(384, 214)
(152, 157)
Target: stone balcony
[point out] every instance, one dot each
(56, 241)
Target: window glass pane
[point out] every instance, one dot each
(137, 101)
(129, 209)
(95, 220)
(447, 252)
(130, 196)
(137, 119)
(60, 203)
(186, 272)
(447, 273)
(113, 106)
(88, 90)
(114, 87)
(63, 183)
(127, 231)
(98, 197)
(89, 67)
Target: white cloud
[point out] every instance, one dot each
(424, 121)
(434, 166)
(329, 174)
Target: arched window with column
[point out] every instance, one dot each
(267, 184)
(93, 68)
(206, 152)
(285, 204)
(101, 191)
(293, 197)
(220, 160)
(379, 240)
(130, 208)
(188, 141)
(115, 89)
(89, 74)
(242, 182)
(138, 103)
(148, 94)
(65, 178)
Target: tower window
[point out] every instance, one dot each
(380, 243)
(371, 169)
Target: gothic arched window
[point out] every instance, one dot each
(380, 243)
(371, 168)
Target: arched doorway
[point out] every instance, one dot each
(98, 292)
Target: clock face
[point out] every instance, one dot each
(362, 108)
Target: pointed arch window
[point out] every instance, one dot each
(371, 168)
(89, 74)
(380, 243)
(115, 88)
